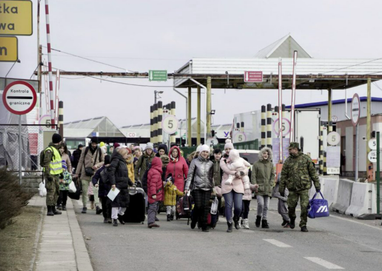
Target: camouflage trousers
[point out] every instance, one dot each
(292, 201)
(53, 190)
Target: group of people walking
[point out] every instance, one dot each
(166, 176)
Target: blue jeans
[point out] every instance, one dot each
(233, 198)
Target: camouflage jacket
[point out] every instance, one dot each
(297, 174)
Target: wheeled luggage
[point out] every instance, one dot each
(184, 207)
(136, 212)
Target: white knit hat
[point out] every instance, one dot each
(149, 145)
(228, 144)
(205, 148)
(198, 148)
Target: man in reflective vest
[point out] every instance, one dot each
(52, 167)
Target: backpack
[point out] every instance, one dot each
(104, 176)
(42, 156)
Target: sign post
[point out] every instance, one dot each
(19, 98)
(378, 173)
(355, 114)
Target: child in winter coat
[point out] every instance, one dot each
(170, 193)
(282, 205)
(64, 186)
(238, 164)
(154, 190)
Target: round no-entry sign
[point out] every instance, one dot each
(19, 97)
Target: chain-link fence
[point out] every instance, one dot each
(31, 146)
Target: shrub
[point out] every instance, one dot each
(13, 198)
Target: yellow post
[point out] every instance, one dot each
(368, 121)
(189, 129)
(198, 116)
(330, 127)
(208, 107)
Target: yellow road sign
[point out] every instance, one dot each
(16, 18)
(8, 49)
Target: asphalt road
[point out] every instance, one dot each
(335, 242)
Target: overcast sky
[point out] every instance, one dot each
(146, 35)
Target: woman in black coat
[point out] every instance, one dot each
(119, 178)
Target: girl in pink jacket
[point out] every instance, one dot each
(177, 168)
(154, 190)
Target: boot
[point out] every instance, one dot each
(84, 210)
(172, 217)
(98, 210)
(245, 223)
(55, 211)
(236, 221)
(264, 224)
(291, 224)
(168, 217)
(229, 226)
(115, 223)
(284, 223)
(63, 207)
(258, 219)
(304, 229)
(121, 220)
(50, 212)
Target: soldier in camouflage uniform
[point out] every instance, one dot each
(297, 175)
(52, 167)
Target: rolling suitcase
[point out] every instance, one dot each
(136, 212)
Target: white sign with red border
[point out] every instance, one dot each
(19, 97)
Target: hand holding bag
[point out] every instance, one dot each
(318, 207)
(72, 187)
(214, 206)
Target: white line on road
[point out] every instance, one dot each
(323, 263)
(277, 243)
(356, 222)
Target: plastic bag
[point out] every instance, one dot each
(41, 189)
(72, 188)
(214, 206)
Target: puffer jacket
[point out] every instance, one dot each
(170, 193)
(201, 174)
(263, 174)
(154, 181)
(237, 183)
(178, 168)
(119, 176)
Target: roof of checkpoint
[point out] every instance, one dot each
(311, 73)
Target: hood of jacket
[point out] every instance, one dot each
(263, 150)
(156, 163)
(177, 148)
(234, 155)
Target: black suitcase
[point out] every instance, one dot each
(136, 212)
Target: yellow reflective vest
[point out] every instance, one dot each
(56, 162)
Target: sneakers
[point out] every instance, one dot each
(109, 220)
(121, 220)
(287, 225)
(115, 223)
(153, 225)
(168, 218)
(59, 207)
(105, 220)
(63, 208)
(84, 209)
(284, 223)
(98, 210)
(55, 211)
(304, 229)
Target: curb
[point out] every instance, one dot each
(81, 253)
(37, 239)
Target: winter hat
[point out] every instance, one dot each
(198, 148)
(205, 148)
(149, 145)
(56, 138)
(80, 146)
(101, 144)
(163, 147)
(94, 139)
(228, 144)
(116, 145)
(165, 160)
(137, 148)
(63, 162)
(293, 145)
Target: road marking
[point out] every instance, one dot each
(323, 263)
(356, 222)
(277, 243)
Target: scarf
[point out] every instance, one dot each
(174, 160)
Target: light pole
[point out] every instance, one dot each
(156, 93)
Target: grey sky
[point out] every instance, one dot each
(144, 35)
